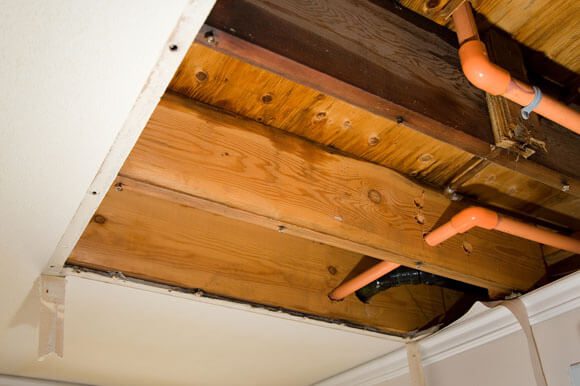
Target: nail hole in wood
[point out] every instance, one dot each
(320, 116)
(467, 247)
(420, 219)
(432, 4)
(201, 76)
(374, 140)
(99, 219)
(267, 98)
(374, 196)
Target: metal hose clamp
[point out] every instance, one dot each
(527, 110)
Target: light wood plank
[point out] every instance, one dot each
(162, 240)
(275, 101)
(280, 180)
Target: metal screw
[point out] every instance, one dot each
(210, 38)
(119, 187)
(565, 188)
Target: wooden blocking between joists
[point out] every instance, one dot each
(510, 130)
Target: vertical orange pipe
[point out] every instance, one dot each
(368, 276)
(496, 80)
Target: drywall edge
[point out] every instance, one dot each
(187, 27)
(170, 291)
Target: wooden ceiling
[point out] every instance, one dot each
(549, 26)
(264, 179)
(249, 91)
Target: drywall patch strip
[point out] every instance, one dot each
(51, 327)
(518, 309)
(190, 22)
(415, 365)
(542, 304)
(195, 295)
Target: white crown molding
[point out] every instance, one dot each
(479, 326)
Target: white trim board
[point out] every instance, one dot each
(189, 24)
(469, 332)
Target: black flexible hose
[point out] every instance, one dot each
(408, 276)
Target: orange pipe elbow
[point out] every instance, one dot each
(482, 73)
(487, 76)
(356, 283)
(463, 222)
(488, 219)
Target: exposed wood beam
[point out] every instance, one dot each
(264, 176)
(388, 61)
(156, 237)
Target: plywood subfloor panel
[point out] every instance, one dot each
(163, 241)
(550, 26)
(232, 85)
(228, 83)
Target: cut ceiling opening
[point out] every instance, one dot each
(255, 184)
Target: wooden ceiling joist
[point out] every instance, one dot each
(165, 239)
(242, 169)
(386, 60)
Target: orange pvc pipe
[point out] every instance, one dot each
(368, 276)
(488, 219)
(495, 80)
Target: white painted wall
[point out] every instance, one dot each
(506, 362)
(70, 72)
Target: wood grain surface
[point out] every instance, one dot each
(164, 241)
(550, 26)
(351, 204)
(249, 91)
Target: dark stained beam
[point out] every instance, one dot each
(387, 60)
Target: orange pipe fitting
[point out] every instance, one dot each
(482, 73)
(488, 219)
(368, 276)
(497, 81)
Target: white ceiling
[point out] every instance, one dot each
(70, 72)
(119, 335)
